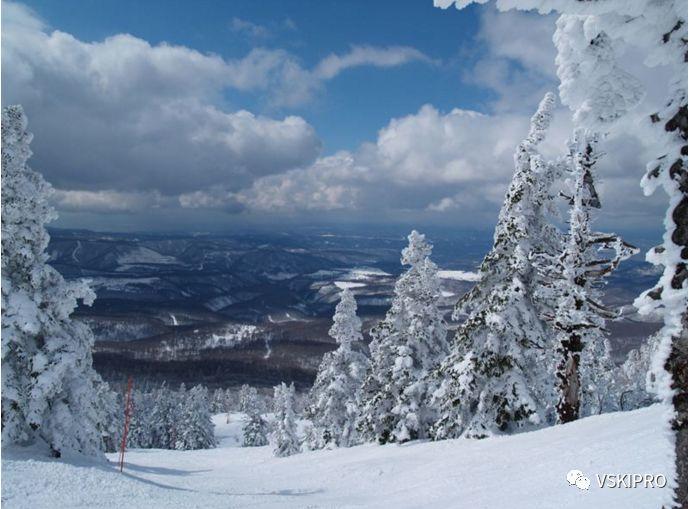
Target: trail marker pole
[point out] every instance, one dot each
(127, 418)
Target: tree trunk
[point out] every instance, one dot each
(569, 386)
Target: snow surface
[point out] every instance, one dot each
(121, 284)
(280, 276)
(459, 275)
(348, 284)
(217, 303)
(144, 256)
(363, 273)
(522, 471)
(231, 337)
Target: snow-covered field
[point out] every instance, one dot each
(526, 470)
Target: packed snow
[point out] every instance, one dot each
(526, 470)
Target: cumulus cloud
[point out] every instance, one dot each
(107, 201)
(518, 60)
(456, 164)
(426, 161)
(126, 116)
(125, 126)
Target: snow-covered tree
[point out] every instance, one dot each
(140, 429)
(164, 416)
(333, 407)
(633, 374)
(410, 341)
(112, 417)
(48, 383)
(218, 403)
(285, 439)
(585, 371)
(599, 92)
(195, 428)
(247, 397)
(255, 427)
(496, 378)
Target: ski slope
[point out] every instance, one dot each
(522, 471)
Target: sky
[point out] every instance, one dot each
(206, 115)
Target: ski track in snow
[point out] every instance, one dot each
(269, 350)
(75, 251)
(521, 471)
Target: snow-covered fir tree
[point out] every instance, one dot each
(585, 371)
(409, 342)
(496, 378)
(218, 403)
(255, 427)
(333, 407)
(49, 387)
(284, 435)
(163, 417)
(139, 435)
(110, 425)
(195, 428)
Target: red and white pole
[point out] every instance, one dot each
(127, 418)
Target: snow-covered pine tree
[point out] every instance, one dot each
(217, 404)
(406, 345)
(496, 380)
(164, 416)
(195, 428)
(333, 406)
(247, 397)
(112, 420)
(585, 371)
(48, 382)
(139, 435)
(255, 427)
(284, 435)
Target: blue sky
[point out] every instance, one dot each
(208, 114)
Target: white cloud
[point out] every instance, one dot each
(106, 201)
(392, 56)
(126, 116)
(457, 163)
(122, 115)
(248, 28)
(122, 125)
(518, 63)
(413, 163)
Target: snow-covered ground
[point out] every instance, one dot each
(459, 275)
(526, 470)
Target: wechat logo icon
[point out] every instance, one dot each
(578, 479)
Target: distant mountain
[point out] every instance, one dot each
(256, 307)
